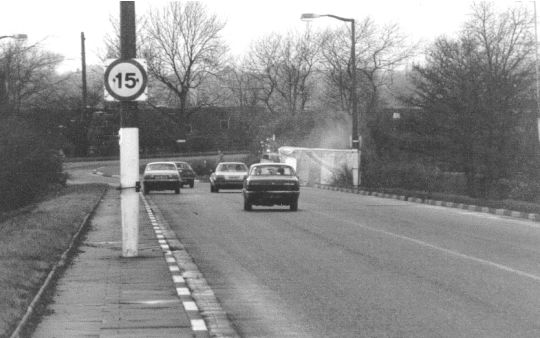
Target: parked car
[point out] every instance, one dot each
(161, 176)
(271, 184)
(187, 174)
(228, 175)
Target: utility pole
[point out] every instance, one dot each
(82, 120)
(129, 141)
(83, 72)
(537, 72)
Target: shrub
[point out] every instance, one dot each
(342, 177)
(29, 164)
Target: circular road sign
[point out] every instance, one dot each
(125, 80)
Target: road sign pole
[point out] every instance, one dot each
(129, 141)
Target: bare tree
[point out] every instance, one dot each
(283, 66)
(379, 51)
(184, 50)
(27, 72)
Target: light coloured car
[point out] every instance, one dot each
(228, 175)
(161, 176)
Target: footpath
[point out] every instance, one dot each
(102, 294)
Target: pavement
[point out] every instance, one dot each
(102, 294)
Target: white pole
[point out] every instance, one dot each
(129, 175)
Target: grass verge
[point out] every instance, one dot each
(32, 241)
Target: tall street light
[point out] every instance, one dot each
(355, 137)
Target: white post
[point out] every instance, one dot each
(129, 175)
(355, 168)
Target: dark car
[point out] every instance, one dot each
(228, 175)
(271, 184)
(161, 176)
(187, 174)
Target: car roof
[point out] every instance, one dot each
(270, 164)
(232, 163)
(164, 162)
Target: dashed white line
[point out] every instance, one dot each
(190, 306)
(183, 291)
(178, 279)
(198, 325)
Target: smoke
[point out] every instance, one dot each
(331, 132)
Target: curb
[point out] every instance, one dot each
(62, 262)
(470, 207)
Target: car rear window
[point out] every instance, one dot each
(183, 166)
(269, 170)
(161, 166)
(232, 167)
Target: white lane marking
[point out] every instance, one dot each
(174, 268)
(178, 279)
(183, 291)
(198, 325)
(190, 306)
(447, 251)
(170, 260)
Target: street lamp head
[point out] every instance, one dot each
(15, 36)
(309, 16)
(20, 36)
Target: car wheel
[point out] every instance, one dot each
(191, 185)
(247, 205)
(146, 190)
(177, 191)
(294, 206)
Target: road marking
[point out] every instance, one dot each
(198, 325)
(435, 247)
(178, 279)
(190, 306)
(183, 291)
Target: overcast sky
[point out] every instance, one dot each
(57, 24)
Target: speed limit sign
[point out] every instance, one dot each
(125, 80)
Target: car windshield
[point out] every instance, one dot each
(269, 170)
(160, 166)
(183, 166)
(232, 167)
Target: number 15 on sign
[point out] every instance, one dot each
(125, 80)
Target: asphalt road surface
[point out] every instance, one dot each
(348, 265)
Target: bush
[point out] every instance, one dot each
(29, 164)
(524, 189)
(342, 177)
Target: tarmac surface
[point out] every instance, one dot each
(102, 294)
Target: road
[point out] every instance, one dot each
(348, 265)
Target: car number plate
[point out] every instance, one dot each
(161, 177)
(233, 177)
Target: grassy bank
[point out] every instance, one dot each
(32, 241)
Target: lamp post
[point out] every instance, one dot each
(5, 91)
(355, 137)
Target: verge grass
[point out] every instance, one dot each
(32, 241)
